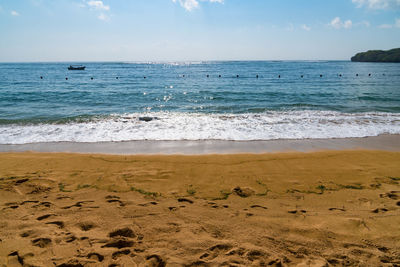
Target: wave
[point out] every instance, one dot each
(271, 125)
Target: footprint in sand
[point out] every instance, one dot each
(14, 259)
(148, 204)
(44, 204)
(339, 209)
(81, 204)
(121, 238)
(41, 242)
(86, 226)
(185, 200)
(258, 206)
(392, 195)
(243, 192)
(29, 201)
(215, 251)
(115, 199)
(119, 243)
(379, 210)
(43, 217)
(11, 205)
(297, 211)
(27, 233)
(21, 181)
(69, 237)
(120, 253)
(155, 261)
(95, 256)
(124, 232)
(60, 224)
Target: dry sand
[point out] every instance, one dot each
(329, 208)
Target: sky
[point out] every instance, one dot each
(185, 30)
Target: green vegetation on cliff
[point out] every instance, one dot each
(392, 55)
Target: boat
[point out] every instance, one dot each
(76, 67)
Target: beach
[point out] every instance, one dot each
(330, 207)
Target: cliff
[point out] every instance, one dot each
(392, 55)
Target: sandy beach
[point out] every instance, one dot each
(326, 208)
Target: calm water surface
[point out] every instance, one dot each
(198, 101)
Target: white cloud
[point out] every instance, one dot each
(347, 24)
(305, 27)
(378, 4)
(337, 23)
(385, 26)
(390, 26)
(189, 5)
(14, 13)
(97, 4)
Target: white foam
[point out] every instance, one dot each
(197, 126)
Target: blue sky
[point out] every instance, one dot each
(174, 30)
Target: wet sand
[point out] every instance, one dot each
(329, 208)
(382, 142)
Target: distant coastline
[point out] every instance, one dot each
(389, 56)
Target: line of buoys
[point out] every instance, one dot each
(237, 76)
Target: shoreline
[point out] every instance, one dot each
(150, 147)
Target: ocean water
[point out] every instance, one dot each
(198, 101)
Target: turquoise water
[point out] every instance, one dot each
(198, 101)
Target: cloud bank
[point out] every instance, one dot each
(190, 5)
(378, 4)
(98, 5)
(337, 23)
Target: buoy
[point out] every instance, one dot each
(219, 76)
(369, 75)
(340, 75)
(66, 78)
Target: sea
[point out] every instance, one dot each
(233, 100)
